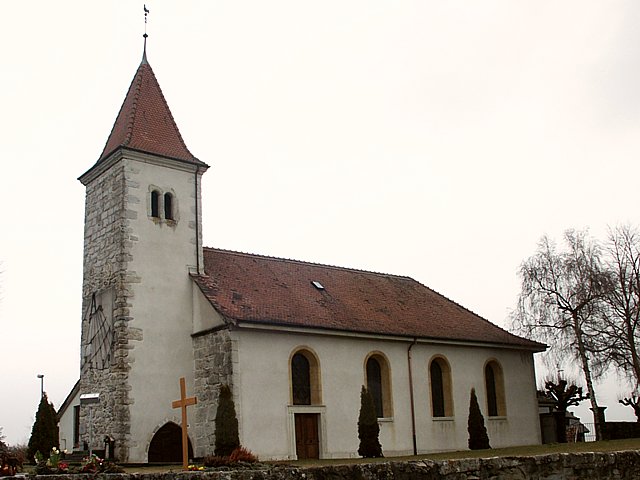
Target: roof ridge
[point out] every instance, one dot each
(305, 262)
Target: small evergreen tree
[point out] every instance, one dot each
(478, 438)
(368, 428)
(227, 439)
(44, 434)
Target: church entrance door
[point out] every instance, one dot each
(166, 445)
(307, 441)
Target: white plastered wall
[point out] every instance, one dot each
(262, 394)
(163, 253)
(65, 426)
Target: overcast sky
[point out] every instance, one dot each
(438, 140)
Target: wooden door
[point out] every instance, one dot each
(307, 441)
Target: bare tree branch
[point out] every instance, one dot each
(560, 301)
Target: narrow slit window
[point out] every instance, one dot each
(168, 206)
(155, 204)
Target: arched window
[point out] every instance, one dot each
(168, 206)
(301, 380)
(305, 379)
(441, 397)
(494, 386)
(374, 384)
(155, 204)
(379, 384)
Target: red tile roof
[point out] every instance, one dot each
(145, 122)
(279, 292)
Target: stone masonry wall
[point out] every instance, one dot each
(107, 244)
(574, 466)
(213, 367)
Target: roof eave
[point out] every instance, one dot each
(67, 401)
(533, 347)
(102, 165)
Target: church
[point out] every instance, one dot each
(294, 340)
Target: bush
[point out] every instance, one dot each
(478, 438)
(10, 462)
(19, 452)
(44, 434)
(215, 461)
(239, 455)
(227, 439)
(368, 428)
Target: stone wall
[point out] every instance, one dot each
(107, 243)
(575, 466)
(213, 367)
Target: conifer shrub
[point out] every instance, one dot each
(478, 438)
(368, 428)
(226, 422)
(44, 434)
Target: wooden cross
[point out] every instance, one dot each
(183, 403)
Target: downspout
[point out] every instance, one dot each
(197, 220)
(413, 413)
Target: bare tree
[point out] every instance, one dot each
(618, 328)
(632, 401)
(560, 299)
(564, 393)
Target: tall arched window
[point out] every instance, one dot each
(301, 380)
(494, 386)
(305, 379)
(155, 204)
(168, 206)
(440, 380)
(374, 384)
(379, 384)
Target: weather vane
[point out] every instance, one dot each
(146, 12)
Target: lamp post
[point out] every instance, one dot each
(41, 377)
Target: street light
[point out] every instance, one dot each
(41, 377)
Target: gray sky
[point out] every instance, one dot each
(438, 140)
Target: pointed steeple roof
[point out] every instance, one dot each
(145, 123)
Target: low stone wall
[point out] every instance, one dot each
(574, 466)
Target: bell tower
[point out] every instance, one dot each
(142, 238)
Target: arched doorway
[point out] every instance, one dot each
(166, 445)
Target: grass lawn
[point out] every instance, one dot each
(610, 446)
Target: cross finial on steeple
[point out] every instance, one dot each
(144, 51)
